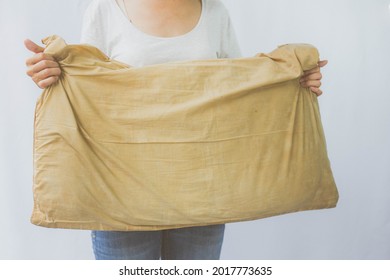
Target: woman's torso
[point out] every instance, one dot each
(107, 26)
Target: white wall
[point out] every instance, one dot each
(354, 35)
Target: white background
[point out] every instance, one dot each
(354, 35)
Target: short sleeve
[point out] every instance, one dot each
(230, 47)
(93, 27)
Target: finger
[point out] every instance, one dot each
(314, 76)
(322, 63)
(43, 64)
(46, 73)
(317, 91)
(31, 46)
(311, 71)
(311, 83)
(37, 58)
(47, 82)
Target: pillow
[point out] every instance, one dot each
(178, 144)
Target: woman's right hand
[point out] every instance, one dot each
(41, 67)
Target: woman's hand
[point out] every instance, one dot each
(312, 78)
(41, 67)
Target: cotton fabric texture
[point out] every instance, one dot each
(177, 144)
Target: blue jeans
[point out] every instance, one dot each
(193, 243)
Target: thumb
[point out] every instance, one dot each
(322, 63)
(31, 46)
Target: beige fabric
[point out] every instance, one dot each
(177, 144)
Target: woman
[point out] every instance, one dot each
(145, 32)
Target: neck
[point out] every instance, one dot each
(164, 18)
(161, 5)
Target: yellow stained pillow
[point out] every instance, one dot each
(178, 144)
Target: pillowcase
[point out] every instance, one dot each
(178, 144)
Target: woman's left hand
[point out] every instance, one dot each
(312, 78)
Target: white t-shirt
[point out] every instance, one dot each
(106, 27)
